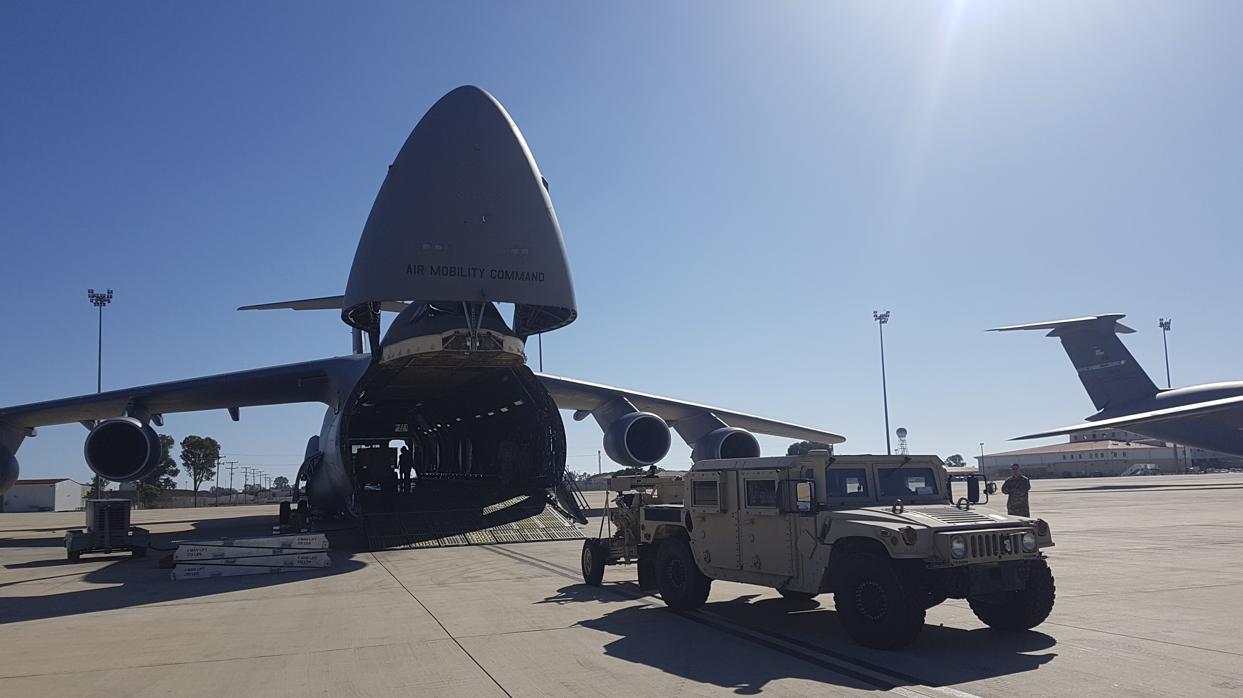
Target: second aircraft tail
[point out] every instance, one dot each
(1107, 370)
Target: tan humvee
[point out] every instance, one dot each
(882, 533)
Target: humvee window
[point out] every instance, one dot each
(847, 482)
(906, 482)
(704, 494)
(762, 493)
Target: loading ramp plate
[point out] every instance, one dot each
(518, 520)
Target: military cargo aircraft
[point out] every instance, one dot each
(463, 222)
(1205, 416)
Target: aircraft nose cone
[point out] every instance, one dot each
(464, 215)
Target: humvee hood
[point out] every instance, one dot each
(931, 516)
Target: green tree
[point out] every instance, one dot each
(801, 448)
(955, 461)
(281, 482)
(199, 455)
(164, 475)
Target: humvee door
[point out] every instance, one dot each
(764, 531)
(714, 536)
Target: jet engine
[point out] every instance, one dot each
(725, 442)
(637, 439)
(123, 449)
(8, 469)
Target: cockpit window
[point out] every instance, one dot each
(906, 482)
(847, 482)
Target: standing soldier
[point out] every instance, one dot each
(405, 462)
(1016, 487)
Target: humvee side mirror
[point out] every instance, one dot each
(992, 488)
(973, 490)
(803, 500)
(805, 496)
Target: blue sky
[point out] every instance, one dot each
(739, 186)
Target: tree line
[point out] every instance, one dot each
(199, 456)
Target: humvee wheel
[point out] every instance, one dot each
(791, 595)
(682, 586)
(285, 512)
(138, 551)
(879, 605)
(595, 553)
(75, 555)
(1019, 610)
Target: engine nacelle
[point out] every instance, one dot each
(123, 449)
(637, 439)
(726, 442)
(9, 469)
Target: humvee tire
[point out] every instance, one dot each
(791, 595)
(595, 553)
(138, 551)
(75, 555)
(682, 586)
(285, 512)
(1019, 610)
(878, 604)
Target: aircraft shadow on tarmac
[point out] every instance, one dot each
(806, 642)
(127, 582)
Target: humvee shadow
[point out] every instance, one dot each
(800, 640)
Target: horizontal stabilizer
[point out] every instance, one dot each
(325, 303)
(1072, 322)
(1141, 418)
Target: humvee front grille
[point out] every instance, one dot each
(994, 545)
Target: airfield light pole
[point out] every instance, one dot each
(1164, 324)
(881, 320)
(99, 300)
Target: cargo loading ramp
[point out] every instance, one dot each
(522, 519)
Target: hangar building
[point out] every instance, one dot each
(1102, 453)
(51, 494)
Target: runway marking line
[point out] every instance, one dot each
(442, 625)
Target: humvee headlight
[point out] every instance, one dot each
(909, 536)
(1029, 542)
(1042, 527)
(958, 547)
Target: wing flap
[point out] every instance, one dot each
(571, 394)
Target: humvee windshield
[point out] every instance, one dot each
(906, 482)
(847, 482)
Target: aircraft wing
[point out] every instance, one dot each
(325, 380)
(1195, 409)
(571, 394)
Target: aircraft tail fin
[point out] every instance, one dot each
(1106, 368)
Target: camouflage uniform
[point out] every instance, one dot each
(1017, 487)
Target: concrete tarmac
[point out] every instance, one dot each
(1150, 601)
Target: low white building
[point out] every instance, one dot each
(1100, 453)
(50, 494)
(1080, 459)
